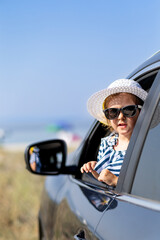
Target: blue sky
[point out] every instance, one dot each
(55, 53)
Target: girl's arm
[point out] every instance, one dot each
(108, 177)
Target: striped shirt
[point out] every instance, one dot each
(107, 157)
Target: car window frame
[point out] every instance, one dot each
(129, 166)
(138, 137)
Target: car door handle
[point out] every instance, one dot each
(80, 235)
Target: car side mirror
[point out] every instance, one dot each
(48, 158)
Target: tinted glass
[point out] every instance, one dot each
(147, 179)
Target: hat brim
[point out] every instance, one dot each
(95, 102)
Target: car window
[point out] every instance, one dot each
(99, 131)
(147, 178)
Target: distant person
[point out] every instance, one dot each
(117, 107)
(34, 159)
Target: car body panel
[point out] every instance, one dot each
(82, 203)
(129, 221)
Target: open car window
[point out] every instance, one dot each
(100, 131)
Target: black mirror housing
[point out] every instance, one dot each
(47, 157)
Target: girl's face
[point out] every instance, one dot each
(123, 125)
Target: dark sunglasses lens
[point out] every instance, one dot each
(129, 111)
(111, 113)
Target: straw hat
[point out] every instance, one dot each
(95, 102)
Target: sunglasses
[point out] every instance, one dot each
(128, 111)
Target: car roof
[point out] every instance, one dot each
(151, 63)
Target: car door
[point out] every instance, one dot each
(72, 205)
(137, 214)
(80, 208)
(82, 200)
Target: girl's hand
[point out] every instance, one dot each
(108, 177)
(88, 167)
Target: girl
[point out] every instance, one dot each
(118, 107)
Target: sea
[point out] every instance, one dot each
(27, 133)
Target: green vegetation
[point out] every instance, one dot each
(20, 194)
